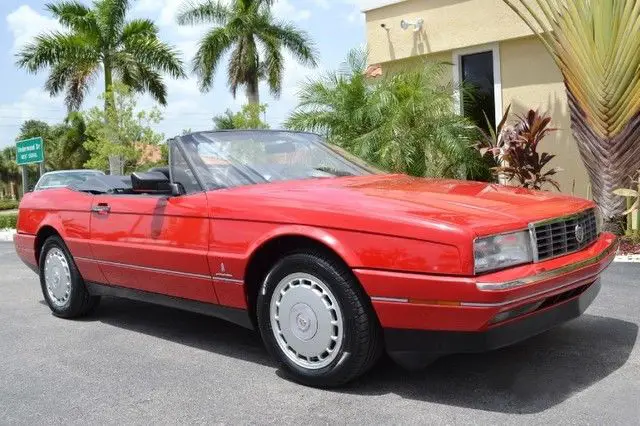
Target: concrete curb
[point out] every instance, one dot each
(627, 258)
(7, 234)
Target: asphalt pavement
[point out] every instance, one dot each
(135, 363)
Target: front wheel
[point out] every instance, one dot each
(62, 285)
(316, 320)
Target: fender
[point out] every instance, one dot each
(324, 236)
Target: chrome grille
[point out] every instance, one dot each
(557, 237)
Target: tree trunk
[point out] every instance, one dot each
(253, 94)
(115, 161)
(610, 162)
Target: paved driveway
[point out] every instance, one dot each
(137, 363)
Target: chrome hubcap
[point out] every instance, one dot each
(57, 277)
(306, 320)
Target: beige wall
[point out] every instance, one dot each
(448, 24)
(531, 80)
(529, 77)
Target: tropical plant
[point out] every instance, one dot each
(516, 152)
(63, 143)
(8, 221)
(492, 141)
(403, 122)
(9, 173)
(8, 204)
(591, 44)
(633, 205)
(99, 38)
(256, 40)
(247, 118)
(122, 131)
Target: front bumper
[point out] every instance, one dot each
(402, 341)
(443, 314)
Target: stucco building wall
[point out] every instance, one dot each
(528, 76)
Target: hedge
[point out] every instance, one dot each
(8, 221)
(8, 204)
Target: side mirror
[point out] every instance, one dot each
(176, 189)
(30, 188)
(151, 182)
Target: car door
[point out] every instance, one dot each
(154, 243)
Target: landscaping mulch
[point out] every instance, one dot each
(628, 246)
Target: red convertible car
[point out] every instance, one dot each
(331, 260)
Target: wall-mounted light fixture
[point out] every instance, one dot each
(417, 25)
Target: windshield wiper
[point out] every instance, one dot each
(333, 171)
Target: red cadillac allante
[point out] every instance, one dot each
(331, 260)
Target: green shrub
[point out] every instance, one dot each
(8, 221)
(8, 204)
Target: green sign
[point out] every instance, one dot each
(30, 151)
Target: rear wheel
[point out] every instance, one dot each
(316, 320)
(62, 285)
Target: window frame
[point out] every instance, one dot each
(456, 59)
(177, 143)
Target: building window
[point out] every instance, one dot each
(479, 69)
(477, 72)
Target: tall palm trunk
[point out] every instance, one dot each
(115, 161)
(253, 93)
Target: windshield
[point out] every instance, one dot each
(225, 159)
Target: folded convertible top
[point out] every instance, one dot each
(104, 185)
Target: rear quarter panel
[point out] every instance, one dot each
(66, 211)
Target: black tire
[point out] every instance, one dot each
(362, 338)
(79, 302)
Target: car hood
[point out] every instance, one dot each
(399, 199)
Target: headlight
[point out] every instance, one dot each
(502, 251)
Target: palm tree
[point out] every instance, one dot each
(593, 45)
(403, 122)
(256, 41)
(99, 38)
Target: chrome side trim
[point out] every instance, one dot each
(549, 274)
(228, 280)
(162, 271)
(560, 218)
(389, 299)
(520, 299)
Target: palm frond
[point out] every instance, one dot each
(296, 41)
(274, 66)
(155, 54)
(194, 13)
(113, 14)
(137, 28)
(81, 78)
(590, 43)
(53, 48)
(74, 15)
(209, 54)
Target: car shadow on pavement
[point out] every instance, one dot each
(186, 328)
(526, 378)
(529, 377)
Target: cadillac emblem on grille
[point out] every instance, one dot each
(579, 233)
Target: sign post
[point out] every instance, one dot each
(29, 151)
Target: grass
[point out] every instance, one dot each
(8, 221)
(8, 204)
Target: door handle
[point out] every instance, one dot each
(101, 208)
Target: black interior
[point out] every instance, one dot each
(151, 182)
